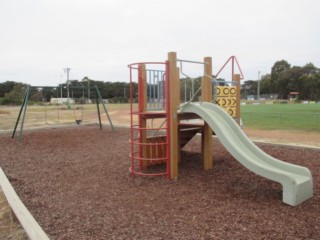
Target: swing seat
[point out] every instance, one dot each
(78, 121)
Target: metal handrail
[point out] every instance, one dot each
(190, 61)
(192, 79)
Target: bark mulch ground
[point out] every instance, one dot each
(77, 185)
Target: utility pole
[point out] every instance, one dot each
(88, 90)
(67, 70)
(258, 91)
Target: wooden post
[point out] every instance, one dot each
(174, 93)
(206, 96)
(142, 95)
(236, 78)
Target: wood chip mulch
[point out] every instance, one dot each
(76, 183)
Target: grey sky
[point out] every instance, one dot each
(99, 38)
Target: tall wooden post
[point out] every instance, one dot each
(174, 94)
(142, 94)
(206, 96)
(236, 78)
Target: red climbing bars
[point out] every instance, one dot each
(149, 145)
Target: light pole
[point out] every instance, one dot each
(67, 70)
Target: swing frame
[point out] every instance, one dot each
(26, 97)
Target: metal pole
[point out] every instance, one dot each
(45, 113)
(97, 102)
(258, 90)
(185, 90)
(68, 85)
(67, 70)
(24, 114)
(158, 88)
(104, 107)
(192, 86)
(232, 68)
(22, 106)
(188, 61)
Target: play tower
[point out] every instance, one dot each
(163, 120)
(158, 128)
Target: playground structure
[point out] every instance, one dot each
(77, 112)
(159, 100)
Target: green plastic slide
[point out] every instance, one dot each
(296, 180)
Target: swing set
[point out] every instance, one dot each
(55, 118)
(77, 110)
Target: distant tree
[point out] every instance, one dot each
(6, 87)
(311, 87)
(288, 81)
(314, 86)
(37, 96)
(309, 68)
(294, 80)
(278, 68)
(15, 96)
(249, 87)
(265, 84)
(313, 82)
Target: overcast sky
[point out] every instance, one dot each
(99, 38)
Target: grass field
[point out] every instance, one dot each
(303, 117)
(300, 117)
(44, 116)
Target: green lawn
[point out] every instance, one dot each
(304, 117)
(301, 117)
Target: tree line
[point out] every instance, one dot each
(116, 92)
(284, 79)
(12, 92)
